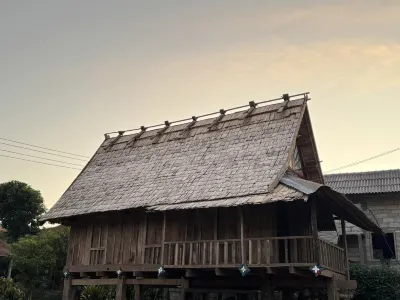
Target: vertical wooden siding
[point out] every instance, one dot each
(136, 237)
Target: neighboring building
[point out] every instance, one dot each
(206, 199)
(377, 194)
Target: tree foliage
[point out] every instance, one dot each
(39, 260)
(376, 282)
(9, 291)
(20, 209)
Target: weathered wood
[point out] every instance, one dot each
(361, 248)
(243, 259)
(346, 259)
(138, 292)
(332, 290)
(314, 228)
(298, 272)
(163, 237)
(69, 292)
(121, 289)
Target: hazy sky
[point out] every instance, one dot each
(73, 70)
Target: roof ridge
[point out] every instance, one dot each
(252, 104)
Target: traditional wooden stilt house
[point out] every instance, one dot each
(230, 202)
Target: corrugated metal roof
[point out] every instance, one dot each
(387, 181)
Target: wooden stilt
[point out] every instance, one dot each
(121, 289)
(69, 292)
(184, 286)
(332, 290)
(137, 292)
(346, 259)
(287, 295)
(266, 290)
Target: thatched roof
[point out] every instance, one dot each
(231, 160)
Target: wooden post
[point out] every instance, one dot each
(10, 265)
(346, 259)
(332, 290)
(184, 286)
(314, 228)
(266, 290)
(242, 235)
(163, 237)
(137, 292)
(69, 292)
(121, 289)
(216, 245)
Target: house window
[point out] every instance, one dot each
(383, 246)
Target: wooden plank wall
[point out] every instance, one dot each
(125, 238)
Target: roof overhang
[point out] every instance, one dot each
(328, 199)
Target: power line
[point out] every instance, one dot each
(43, 148)
(39, 162)
(365, 160)
(60, 161)
(10, 145)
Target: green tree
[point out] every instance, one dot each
(39, 260)
(20, 209)
(9, 291)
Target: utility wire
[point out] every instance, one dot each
(42, 147)
(365, 160)
(10, 145)
(60, 161)
(39, 162)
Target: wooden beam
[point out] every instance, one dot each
(327, 274)
(226, 272)
(345, 285)
(121, 289)
(314, 228)
(298, 272)
(193, 273)
(346, 258)
(113, 281)
(270, 271)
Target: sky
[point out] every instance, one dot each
(71, 71)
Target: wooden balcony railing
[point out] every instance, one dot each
(332, 256)
(261, 252)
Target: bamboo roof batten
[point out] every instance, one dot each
(233, 109)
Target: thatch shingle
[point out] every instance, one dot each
(236, 158)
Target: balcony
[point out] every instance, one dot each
(296, 251)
